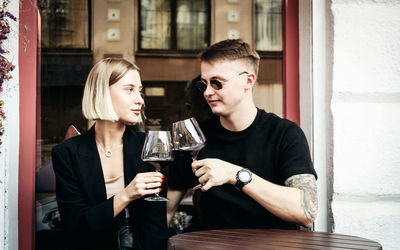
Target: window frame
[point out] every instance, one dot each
(61, 50)
(174, 52)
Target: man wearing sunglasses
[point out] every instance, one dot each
(256, 168)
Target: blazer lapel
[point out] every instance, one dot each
(132, 149)
(89, 165)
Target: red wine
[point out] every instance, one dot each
(158, 163)
(191, 151)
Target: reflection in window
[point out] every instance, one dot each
(174, 25)
(155, 16)
(65, 24)
(192, 24)
(268, 25)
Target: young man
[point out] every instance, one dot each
(256, 167)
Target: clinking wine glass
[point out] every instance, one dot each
(157, 148)
(188, 137)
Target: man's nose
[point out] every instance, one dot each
(209, 90)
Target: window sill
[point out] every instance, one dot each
(164, 54)
(66, 52)
(270, 54)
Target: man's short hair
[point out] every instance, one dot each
(231, 49)
(96, 101)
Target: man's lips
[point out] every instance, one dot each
(212, 101)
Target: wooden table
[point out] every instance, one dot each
(267, 239)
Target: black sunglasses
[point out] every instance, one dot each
(214, 83)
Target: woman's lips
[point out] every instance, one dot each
(136, 111)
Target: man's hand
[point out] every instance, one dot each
(214, 172)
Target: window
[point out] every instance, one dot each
(65, 24)
(268, 25)
(174, 25)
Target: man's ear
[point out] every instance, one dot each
(251, 80)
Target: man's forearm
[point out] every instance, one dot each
(174, 196)
(296, 202)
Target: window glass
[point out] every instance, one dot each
(155, 17)
(65, 24)
(174, 24)
(268, 25)
(192, 24)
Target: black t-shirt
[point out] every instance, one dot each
(271, 147)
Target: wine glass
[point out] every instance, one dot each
(188, 137)
(157, 148)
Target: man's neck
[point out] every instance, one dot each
(240, 119)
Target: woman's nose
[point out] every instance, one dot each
(139, 98)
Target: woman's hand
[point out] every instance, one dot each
(144, 184)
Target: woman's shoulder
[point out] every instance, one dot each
(131, 134)
(72, 143)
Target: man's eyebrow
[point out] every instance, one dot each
(215, 77)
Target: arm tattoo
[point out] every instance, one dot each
(309, 201)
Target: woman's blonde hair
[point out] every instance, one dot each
(96, 101)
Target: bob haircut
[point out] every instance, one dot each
(96, 101)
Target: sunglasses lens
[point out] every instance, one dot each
(216, 84)
(201, 86)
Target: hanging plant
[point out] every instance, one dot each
(5, 66)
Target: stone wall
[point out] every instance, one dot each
(366, 119)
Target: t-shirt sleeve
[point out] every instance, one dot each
(294, 155)
(180, 175)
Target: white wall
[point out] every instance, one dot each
(365, 108)
(10, 147)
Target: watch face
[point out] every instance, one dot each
(244, 176)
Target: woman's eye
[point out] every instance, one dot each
(130, 90)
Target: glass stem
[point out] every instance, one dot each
(158, 193)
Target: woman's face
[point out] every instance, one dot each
(126, 97)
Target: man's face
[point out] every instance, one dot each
(233, 76)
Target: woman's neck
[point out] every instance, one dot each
(109, 133)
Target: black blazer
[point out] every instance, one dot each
(86, 213)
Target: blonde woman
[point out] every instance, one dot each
(101, 179)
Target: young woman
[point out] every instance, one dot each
(100, 177)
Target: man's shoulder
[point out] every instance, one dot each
(271, 120)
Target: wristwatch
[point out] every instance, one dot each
(243, 177)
